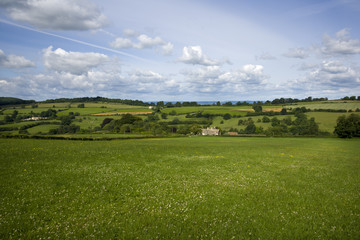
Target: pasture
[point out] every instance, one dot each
(180, 188)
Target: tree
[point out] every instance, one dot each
(164, 115)
(106, 121)
(160, 104)
(228, 104)
(304, 126)
(250, 128)
(169, 104)
(283, 111)
(257, 108)
(195, 129)
(348, 127)
(275, 121)
(129, 119)
(227, 116)
(81, 105)
(172, 113)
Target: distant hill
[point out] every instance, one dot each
(13, 101)
(97, 99)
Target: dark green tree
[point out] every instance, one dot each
(257, 108)
(164, 115)
(106, 121)
(250, 128)
(348, 127)
(227, 116)
(275, 122)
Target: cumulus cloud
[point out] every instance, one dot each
(146, 81)
(142, 41)
(296, 53)
(212, 80)
(342, 44)
(14, 61)
(194, 55)
(122, 43)
(265, 56)
(307, 66)
(56, 14)
(329, 76)
(130, 33)
(167, 48)
(72, 62)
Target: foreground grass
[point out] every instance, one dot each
(185, 188)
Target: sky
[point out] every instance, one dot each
(179, 50)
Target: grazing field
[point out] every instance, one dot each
(180, 188)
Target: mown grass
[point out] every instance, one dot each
(183, 188)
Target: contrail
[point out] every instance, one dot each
(75, 40)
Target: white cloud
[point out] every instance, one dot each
(142, 42)
(72, 62)
(194, 55)
(167, 49)
(265, 56)
(328, 76)
(145, 41)
(130, 33)
(342, 44)
(212, 80)
(296, 53)
(307, 66)
(14, 61)
(57, 14)
(122, 43)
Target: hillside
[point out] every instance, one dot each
(92, 118)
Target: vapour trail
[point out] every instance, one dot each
(76, 41)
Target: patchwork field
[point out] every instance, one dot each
(184, 188)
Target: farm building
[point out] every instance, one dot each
(210, 131)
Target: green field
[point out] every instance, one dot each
(347, 105)
(180, 188)
(90, 123)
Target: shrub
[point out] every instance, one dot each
(265, 119)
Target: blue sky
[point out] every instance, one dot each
(176, 50)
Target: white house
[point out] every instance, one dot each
(210, 131)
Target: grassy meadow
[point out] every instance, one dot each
(180, 188)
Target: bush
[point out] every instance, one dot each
(265, 119)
